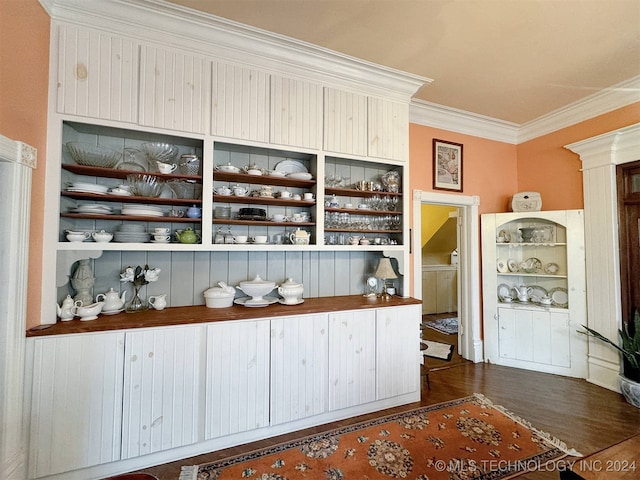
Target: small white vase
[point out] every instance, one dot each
(630, 390)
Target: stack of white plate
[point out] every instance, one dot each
(82, 187)
(142, 210)
(131, 233)
(93, 208)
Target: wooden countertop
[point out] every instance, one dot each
(202, 314)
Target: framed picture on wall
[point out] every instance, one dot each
(447, 165)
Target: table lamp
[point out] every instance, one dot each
(385, 272)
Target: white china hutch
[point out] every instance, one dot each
(534, 290)
(105, 402)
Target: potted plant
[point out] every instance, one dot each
(630, 350)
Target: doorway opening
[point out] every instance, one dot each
(467, 304)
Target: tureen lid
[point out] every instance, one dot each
(290, 283)
(257, 281)
(223, 290)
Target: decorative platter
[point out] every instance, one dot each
(290, 166)
(559, 297)
(531, 265)
(502, 266)
(551, 268)
(536, 293)
(512, 265)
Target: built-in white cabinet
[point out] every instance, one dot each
(345, 122)
(175, 90)
(240, 102)
(352, 358)
(97, 74)
(76, 401)
(237, 388)
(141, 393)
(534, 290)
(299, 359)
(163, 389)
(397, 351)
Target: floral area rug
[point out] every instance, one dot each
(469, 438)
(443, 325)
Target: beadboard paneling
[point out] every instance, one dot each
(237, 388)
(97, 75)
(345, 122)
(174, 90)
(163, 391)
(299, 353)
(67, 399)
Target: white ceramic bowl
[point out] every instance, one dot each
(219, 297)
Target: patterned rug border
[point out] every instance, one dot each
(191, 472)
(441, 326)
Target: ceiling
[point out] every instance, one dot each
(511, 60)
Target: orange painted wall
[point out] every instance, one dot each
(24, 74)
(545, 166)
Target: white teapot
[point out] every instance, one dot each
(65, 311)
(240, 191)
(523, 292)
(113, 302)
(291, 292)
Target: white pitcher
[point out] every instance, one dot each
(159, 302)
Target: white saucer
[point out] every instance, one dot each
(93, 317)
(266, 301)
(160, 241)
(296, 303)
(112, 312)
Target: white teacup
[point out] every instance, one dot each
(240, 239)
(308, 196)
(278, 217)
(285, 194)
(297, 197)
(166, 167)
(260, 239)
(161, 231)
(162, 238)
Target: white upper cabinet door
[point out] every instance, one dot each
(398, 350)
(174, 90)
(299, 357)
(240, 103)
(97, 75)
(345, 122)
(163, 394)
(296, 113)
(352, 358)
(237, 391)
(76, 407)
(388, 124)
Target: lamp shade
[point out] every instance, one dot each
(385, 270)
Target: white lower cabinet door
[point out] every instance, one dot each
(237, 388)
(398, 350)
(299, 358)
(163, 394)
(76, 408)
(352, 358)
(535, 336)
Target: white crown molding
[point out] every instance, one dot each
(170, 25)
(447, 118)
(609, 99)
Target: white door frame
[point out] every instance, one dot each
(470, 344)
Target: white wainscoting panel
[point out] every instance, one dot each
(97, 74)
(352, 358)
(237, 389)
(77, 384)
(299, 353)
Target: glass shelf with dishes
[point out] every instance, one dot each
(362, 199)
(114, 179)
(264, 194)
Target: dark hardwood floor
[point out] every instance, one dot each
(588, 418)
